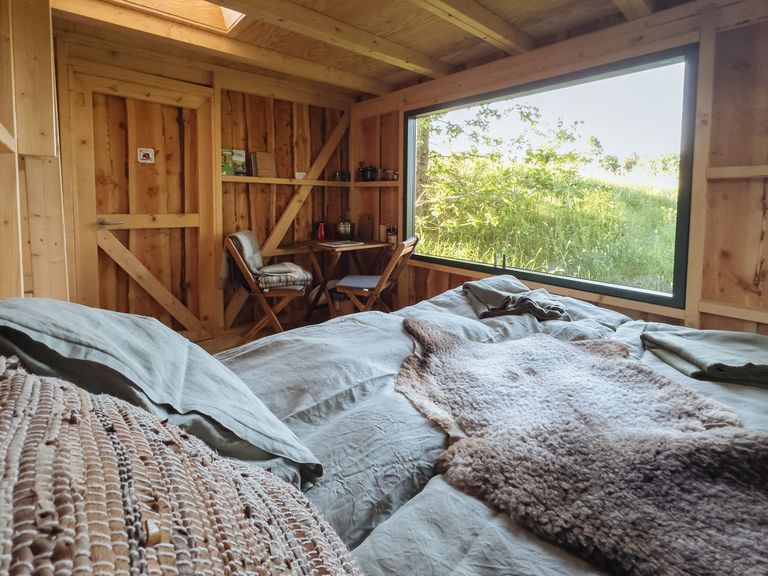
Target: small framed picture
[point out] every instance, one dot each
(146, 155)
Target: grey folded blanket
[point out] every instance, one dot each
(712, 354)
(492, 302)
(248, 245)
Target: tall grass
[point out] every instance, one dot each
(551, 221)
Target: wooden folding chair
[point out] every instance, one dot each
(284, 294)
(372, 288)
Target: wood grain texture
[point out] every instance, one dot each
(40, 182)
(296, 134)
(735, 270)
(11, 281)
(479, 21)
(147, 26)
(147, 193)
(705, 80)
(34, 78)
(310, 23)
(111, 161)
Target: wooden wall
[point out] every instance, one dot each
(727, 277)
(247, 111)
(294, 133)
(728, 274)
(376, 140)
(735, 271)
(32, 243)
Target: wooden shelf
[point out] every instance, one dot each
(376, 184)
(7, 141)
(302, 182)
(737, 172)
(733, 311)
(284, 181)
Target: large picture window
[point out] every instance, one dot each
(581, 181)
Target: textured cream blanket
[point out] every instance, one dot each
(91, 485)
(597, 453)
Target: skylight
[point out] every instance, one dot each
(195, 12)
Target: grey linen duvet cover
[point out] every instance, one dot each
(333, 386)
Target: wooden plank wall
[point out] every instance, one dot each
(376, 140)
(124, 186)
(294, 132)
(734, 245)
(34, 171)
(736, 249)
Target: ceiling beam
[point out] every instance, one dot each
(141, 25)
(481, 22)
(306, 22)
(635, 8)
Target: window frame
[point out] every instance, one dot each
(689, 54)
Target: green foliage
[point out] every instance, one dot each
(530, 203)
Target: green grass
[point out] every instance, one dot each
(548, 221)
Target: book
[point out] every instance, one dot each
(227, 166)
(238, 162)
(253, 169)
(341, 243)
(265, 165)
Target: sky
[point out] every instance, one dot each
(637, 112)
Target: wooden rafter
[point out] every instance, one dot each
(301, 195)
(476, 19)
(145, 26)
(144, 278)
(635, 8)
(306, 22)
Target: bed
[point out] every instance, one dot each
(332, 388)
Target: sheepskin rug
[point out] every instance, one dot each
(597, 453)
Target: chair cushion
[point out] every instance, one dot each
(288, 288)
(282, 275)
(359, 282)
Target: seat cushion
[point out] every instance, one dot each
(282, 275)
(359, 282)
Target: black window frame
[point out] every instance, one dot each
(689, 54)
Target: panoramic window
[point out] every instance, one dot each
(582, 182)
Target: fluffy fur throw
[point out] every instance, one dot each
(91, 485)
(597, 453)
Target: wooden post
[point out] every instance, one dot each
(701, 147)
(11, 275)
(28, 31)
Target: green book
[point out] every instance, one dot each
(227, 165)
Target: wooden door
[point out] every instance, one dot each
(145, 233)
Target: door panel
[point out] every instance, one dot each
(145, 218)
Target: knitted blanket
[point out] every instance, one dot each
(597, 453)
(92, 485)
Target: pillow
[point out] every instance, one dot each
(101, 486)
(141, 361)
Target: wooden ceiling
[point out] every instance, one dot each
(360, 47)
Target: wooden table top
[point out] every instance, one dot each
(337, 246)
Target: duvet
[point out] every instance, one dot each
(333, 386)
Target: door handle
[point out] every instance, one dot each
(101, 222)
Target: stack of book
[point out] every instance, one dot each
(236, 162)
